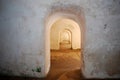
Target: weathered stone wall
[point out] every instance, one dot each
(102, 43)
(22, 38)
(22, 34)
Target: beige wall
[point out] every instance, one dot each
(61, 25)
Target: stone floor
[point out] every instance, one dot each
(63, 61)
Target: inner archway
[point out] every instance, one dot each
(65, 30)
(65, 39)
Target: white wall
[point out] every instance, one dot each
(21, 38)
(22, 35)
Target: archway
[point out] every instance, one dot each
(67, 32)
(50, 21)
(65, 39)
(67, 26)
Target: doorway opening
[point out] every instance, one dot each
(65, 39)
(65, 46)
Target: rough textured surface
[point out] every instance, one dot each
(102, 44)
(22, 36)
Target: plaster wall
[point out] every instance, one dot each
(22, 36)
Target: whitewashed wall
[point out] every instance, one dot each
(22, 34)
(22, 38)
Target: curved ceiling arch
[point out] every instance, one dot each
(61, 25)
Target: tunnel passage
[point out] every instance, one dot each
(57, 22)
(65, 34)
(65, 41)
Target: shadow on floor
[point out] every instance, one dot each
(73, 76)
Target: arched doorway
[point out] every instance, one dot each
(65, 45)
(65, 28)
(65, 39)
(49, 25)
